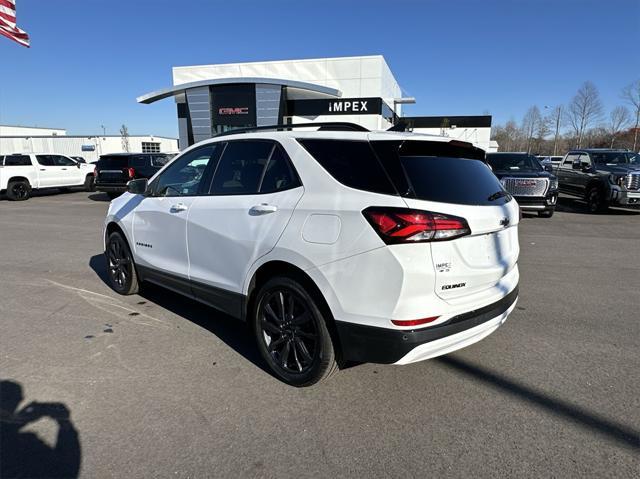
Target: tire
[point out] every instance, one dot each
(18, 190)
(595, 200)
(291, 333)
(545, 213)
(90, 183)
(121, 269)
(113, 195)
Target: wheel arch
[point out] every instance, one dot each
(274, 268)
(19, 178)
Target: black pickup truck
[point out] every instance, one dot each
(602, 177)
(534, 187)
(114, 171)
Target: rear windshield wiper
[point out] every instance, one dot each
(496, 195)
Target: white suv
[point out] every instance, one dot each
(334, 245)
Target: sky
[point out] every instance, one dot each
(90, 59)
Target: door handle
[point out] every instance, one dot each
(177, 208)
(43, 169)
(262, 209)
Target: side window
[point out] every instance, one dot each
(352, 163)
(45, 160)
(279, 174)
(240, 169)
(63, 161)
(159, 160)
(16, 160)
(183, 176)
(568, 161)
(585, 160)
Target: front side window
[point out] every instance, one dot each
(585, 160)
(63, 161)
(569, 160)
(240, 169)
(159, 160)
(185, 175)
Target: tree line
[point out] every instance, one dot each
(581, 123)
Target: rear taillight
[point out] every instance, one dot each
(131, 172)
(403, 225)
(413, 322)
(95, 171)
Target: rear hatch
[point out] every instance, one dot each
(113, 169)
(436, 177)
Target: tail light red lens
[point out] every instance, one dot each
(414, 322)
(404, 225)
(95, 171)
(131, 172)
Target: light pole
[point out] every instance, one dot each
(402, 101)
(104, 130)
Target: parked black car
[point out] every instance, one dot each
(114, 171)
(534, 187)
(602, 177)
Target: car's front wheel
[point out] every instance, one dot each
(595, 200)
(120, 266)
(291, 332)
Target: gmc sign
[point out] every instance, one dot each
(233, 111)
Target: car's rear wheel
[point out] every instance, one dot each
(18, 190)
(291, 332)
(121, 269)
(90, 183)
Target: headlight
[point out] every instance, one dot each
(554, 184)
(619, 180)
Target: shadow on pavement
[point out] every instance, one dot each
(575, 205)
(99, 197)
(23, 453)
(234, 333)
(620, 433)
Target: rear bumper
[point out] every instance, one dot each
(383, 345)
(111, 188)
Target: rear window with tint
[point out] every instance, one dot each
(16, 160)
(453, 180)
(113, 162)
(352, 163)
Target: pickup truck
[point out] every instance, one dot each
(20, 174)
(602, 177)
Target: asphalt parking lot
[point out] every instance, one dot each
(158, 386)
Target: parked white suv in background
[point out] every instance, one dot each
(335, 245)
(20, 174)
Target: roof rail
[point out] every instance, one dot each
(322, 126)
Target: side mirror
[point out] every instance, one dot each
(77, 164)
(586, 168)
(137, 187)
(576, 165)
(548, 168)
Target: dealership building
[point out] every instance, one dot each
(36, 139)
(212, 99)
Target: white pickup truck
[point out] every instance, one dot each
(22, 173)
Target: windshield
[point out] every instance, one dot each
(616, 158)
(503, 162)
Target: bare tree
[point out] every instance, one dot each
(530, 124)
(618, 121)
(584, 110)
(631, 94)
(124, 134)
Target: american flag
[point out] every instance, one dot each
(8, 26)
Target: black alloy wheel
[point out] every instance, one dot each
(18, 191)
(595, 200)
(291, 333)
(120, 267)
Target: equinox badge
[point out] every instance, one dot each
(504, 222)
